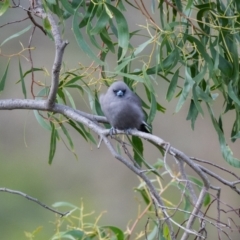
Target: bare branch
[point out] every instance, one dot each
(222, 180)
(14, 22)
(59, 47)
(33, 199)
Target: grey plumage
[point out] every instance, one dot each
(123, 108)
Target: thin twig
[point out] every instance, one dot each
(34, 22)
(14, 22)
(31, 61)
(34, 200)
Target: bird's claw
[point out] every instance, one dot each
(112, 131)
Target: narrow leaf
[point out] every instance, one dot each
(46, 24)
(172, 86)
(22, 80)
(70, 99)
(153, 108)
(16, 35)
(81, 42)
(117, 232)
(70, 122)
(122, 28)
(101, 23)
(192, 114)
(4, 7)
(53, 142)
(3, 80)
(186, 88)
(226, 151)
(196, 100)
(67, 6)
(66, 133)
(232, 94)
(137, 149)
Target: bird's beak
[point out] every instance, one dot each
(120, 93)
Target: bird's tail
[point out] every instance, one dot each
(145, 128)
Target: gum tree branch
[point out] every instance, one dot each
(59, 48)
(92, 122)
(60, 45)
(103, 133)
(33, 200)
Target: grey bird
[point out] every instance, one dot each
(123, 108)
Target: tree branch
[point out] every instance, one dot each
(33, 199)
(59, 47)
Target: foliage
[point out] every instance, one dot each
(194, 46)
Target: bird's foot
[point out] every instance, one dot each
(112, 131)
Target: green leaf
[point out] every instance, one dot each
(81, 42)
(144, 195)
(142, 46)
(4, 77)
(61, 96)
(203, 95)
(42, 121)
(202, 50)
(29, 71)
(117, 231)
(153, 108)
(63, 204)
(101, 23)
(131, 76)
(22, 80)
(4, 7)
(87, 134)
(137, 149)
(66, 133)
(189, 4)
(89, 12)
(179, 5)
(53, 143)
(76, 235)
(207, 198)
(122, 28)
(73, 80)
(192, 114)
(70, 99)
(46, 24)
(196, 99)
(16, 35)
(67, 6)
(73, 124)
(172, 86)
(92, 38)
(226, 151)
(123, 64)
(107, 40)
(232, 94)
(153, 234)
(186, 89)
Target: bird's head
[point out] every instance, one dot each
(119, 89)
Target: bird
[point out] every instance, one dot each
(123, 108)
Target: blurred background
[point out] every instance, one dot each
(97, 179)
